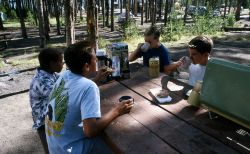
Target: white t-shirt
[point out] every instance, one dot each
(73, 99)
(196, 73)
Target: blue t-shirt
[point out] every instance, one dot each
(161, 52)
(73, 99)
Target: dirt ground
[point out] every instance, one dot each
(16, 134)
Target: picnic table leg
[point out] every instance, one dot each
(212, 115)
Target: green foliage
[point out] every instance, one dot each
(1, 63)
(130, 29)
(12, 14)
(62, 21)
(206, 25)
(102, 43)
(30, 17)
(3, 9)
(230, 20)
(203, 25)
(174, 29)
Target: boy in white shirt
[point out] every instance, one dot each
(199, 49)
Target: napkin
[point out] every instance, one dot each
(160, 100)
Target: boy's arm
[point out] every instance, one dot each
(134, 55)
(93, 126)
(172, 67)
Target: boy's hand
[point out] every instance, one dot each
(102, 73)
(124, 107)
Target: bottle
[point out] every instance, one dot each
(194, 98)
(101, 59)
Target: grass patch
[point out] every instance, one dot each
(11, 23)
(1, 63)
(103, 42)
(223, 37)
(133, 43)
(56, 45)
(52, 21)
(29, 63)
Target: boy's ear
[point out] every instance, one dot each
(207, 54)
(85, 67)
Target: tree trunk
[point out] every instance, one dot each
(230, 5)
(146, 11)
(185, 15)
(112, 16)
(135, 7)
(69, 21)
(142, 11)
(171, 5)
(160, 9)
(20, 11)
(1, 22)
(57, 14)
(107, 12)
(35, 12)
(49, 9)
(166, 13)
(121, 6)
(225, 9)
(41, 23)
(75, 10)
(92, 33)
(152, 12)
(96, 27)
(149, 9)
(249, 13)
(132, 6)
(237, 13)
(127, 9)
(81, 5)
(103, 13)
(46, 19)
(98, 4)
(155, 10)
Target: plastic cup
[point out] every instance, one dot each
(145, 47)
(194, 99)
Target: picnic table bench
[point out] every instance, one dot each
(174, 127)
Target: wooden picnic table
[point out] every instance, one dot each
(174, 127)
(4, 35)
(4, 39)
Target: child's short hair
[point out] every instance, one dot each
(153, 30)
(202, 44)
(77, 55)
(48, 55)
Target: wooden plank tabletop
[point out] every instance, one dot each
(220, 134)
(130, 135)
(150, 128)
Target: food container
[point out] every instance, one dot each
(154, 67)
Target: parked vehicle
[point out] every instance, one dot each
(122, 17)
(193, 10)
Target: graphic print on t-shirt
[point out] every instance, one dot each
(56, 116)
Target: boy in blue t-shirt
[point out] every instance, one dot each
(154, 49)
(74, 123)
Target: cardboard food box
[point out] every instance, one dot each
(118, 53)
